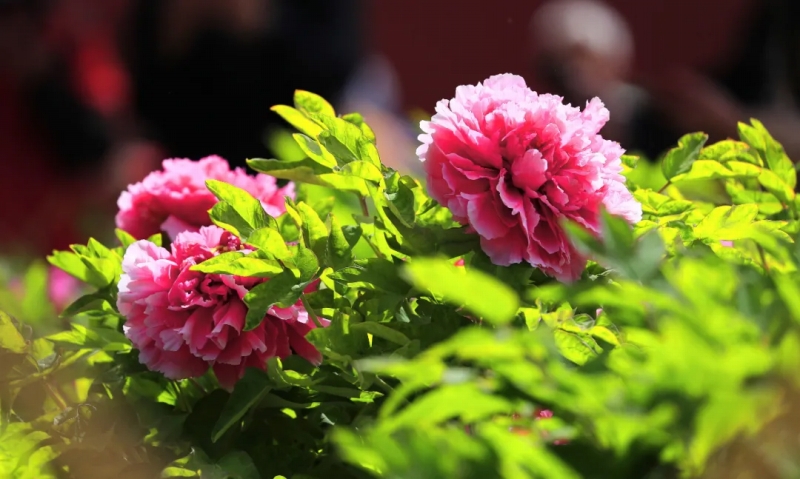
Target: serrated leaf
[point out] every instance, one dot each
(679, 160)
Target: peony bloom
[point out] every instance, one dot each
(62, 288)
(513, 164)
(176, 199)
(183, 321)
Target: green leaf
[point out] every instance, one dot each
(283, 290)
(238, 465)
(358, 120)
(308, 102)
(656, 204)
(247, 393)
(726, 223)
(125, 238)
(730, 150)
(712, 170)
(339, 151)
(767, 203)
(373, 273)
(778, 162)
(315, 233)
(314, 151)
(10, 338)
(81, 337)
(777, 186)
(381, 331)
(477, 291)
(578, 348)
(309, 171)
(270, 242)
(352, 233)
(401, 200)
(363, 170)
(238, 211)
(89, 302)
(679, 160)
(339, 249)
(256, 264)
(307, 263)
(298, 120)
(630, 160)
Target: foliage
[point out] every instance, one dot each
(680, 342)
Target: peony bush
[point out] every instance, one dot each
(529, 309)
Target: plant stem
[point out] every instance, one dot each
(198, 385)
(310, 311)
(666, 185)
(364, 208)
(763, 258)
(55, 396)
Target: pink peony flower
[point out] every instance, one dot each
(512, 164)
(176, 199)
(183, 321)
(62, 288)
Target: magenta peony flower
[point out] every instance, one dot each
(62, 288)
(183, 321)
(512, 164)
(176, 199)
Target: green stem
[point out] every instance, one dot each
(310, 311)
(763, 258)
(56, 397)
(181, 398)
(198, 385)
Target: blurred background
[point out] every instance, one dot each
(95, 93)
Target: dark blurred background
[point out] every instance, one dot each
(94, 93)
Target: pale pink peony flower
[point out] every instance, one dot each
(513, 164)
(183, 321)
(176, 199)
